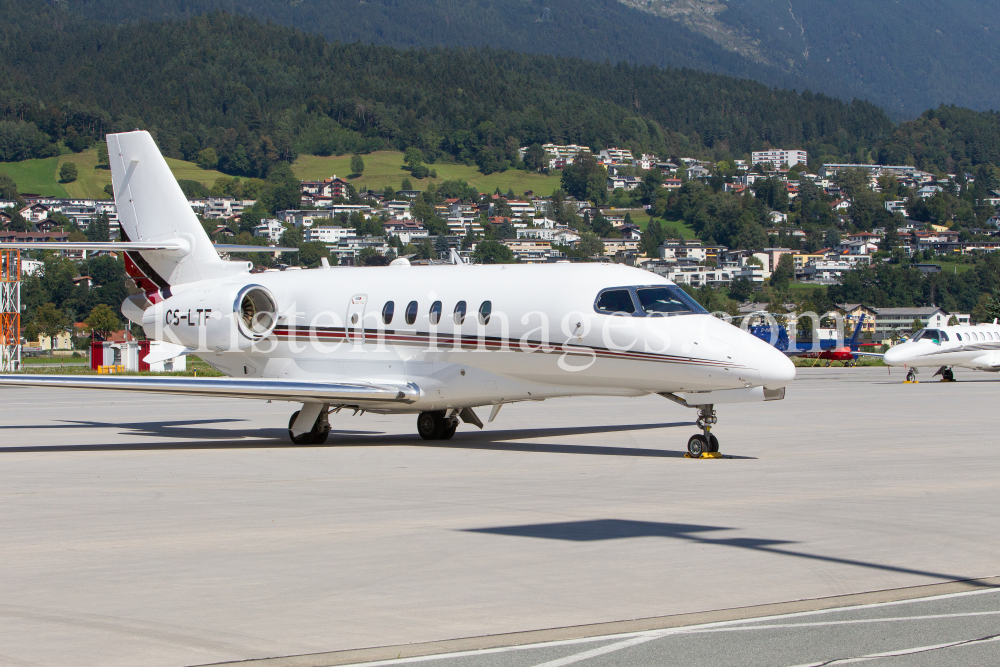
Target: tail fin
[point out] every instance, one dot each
(152, 207)
(857, 329)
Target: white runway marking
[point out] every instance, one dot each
(636, 638)
(902, 652)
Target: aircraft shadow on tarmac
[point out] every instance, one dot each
(616, 529)
(191, 434)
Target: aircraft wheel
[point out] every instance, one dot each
(449, 431)
(948, 375)
(828, 364)
(713, 443)
(911, 375)
(697, 445)
(317, 436)
(430, 425)
(320, 436)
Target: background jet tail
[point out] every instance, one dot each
(857, 330)
(152, 208)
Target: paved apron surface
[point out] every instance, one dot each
(173, 531)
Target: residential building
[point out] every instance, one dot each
(328, 234)
(623, 182)
(779, 157)
(530, 250)
(225, 207)
(616, 156)
(615, 246)
(270, 229)
(408, 230)
(829, 170)
(853, 312)
(799, 261)
(330, 187)
(889, 320)
(346, 249)
(567, 153)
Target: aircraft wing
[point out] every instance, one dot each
(280, 390)
(860, 353)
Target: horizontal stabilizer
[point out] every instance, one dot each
(178, 245)
(162, 351)
(162, 246)
(222, 247)
(279, 390)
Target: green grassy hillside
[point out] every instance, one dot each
(35, 176)
(42, 176)
(383, 168)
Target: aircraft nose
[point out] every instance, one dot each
(895, 356)
(776, 369)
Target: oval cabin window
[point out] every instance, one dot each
(411, 312)
(387, 311)
(435, 312)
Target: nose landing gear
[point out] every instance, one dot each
(704, 445)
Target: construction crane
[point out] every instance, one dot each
(10, 311)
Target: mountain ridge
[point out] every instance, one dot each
(905, 57)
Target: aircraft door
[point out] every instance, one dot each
(356, 319)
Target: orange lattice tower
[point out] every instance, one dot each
(10, 310)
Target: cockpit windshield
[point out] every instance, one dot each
(652, 301)
(934, 335)
(667, 300)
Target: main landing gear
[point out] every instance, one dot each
(705, 443)
(911, 375)
(317, 435)
(436, 425)
(947, 375)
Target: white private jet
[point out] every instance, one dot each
(976, 347)
(434, 341)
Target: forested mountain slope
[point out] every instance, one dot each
(905, 56)
(257, 93)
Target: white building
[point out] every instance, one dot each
(225, 207)
(555, 151)
(616, 156)
(778, 157)
(269, 229)
(328, 234)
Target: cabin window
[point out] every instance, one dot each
(460, 312)
(434, 315)
(665, 300)
(958, 336)
(387, 311)
(615, 302)
(944, 336)
(484, 312)
(411, 312)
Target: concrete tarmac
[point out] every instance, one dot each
(141, 530)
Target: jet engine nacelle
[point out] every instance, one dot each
(216, 318)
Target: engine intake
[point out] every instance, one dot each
(258, 312)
